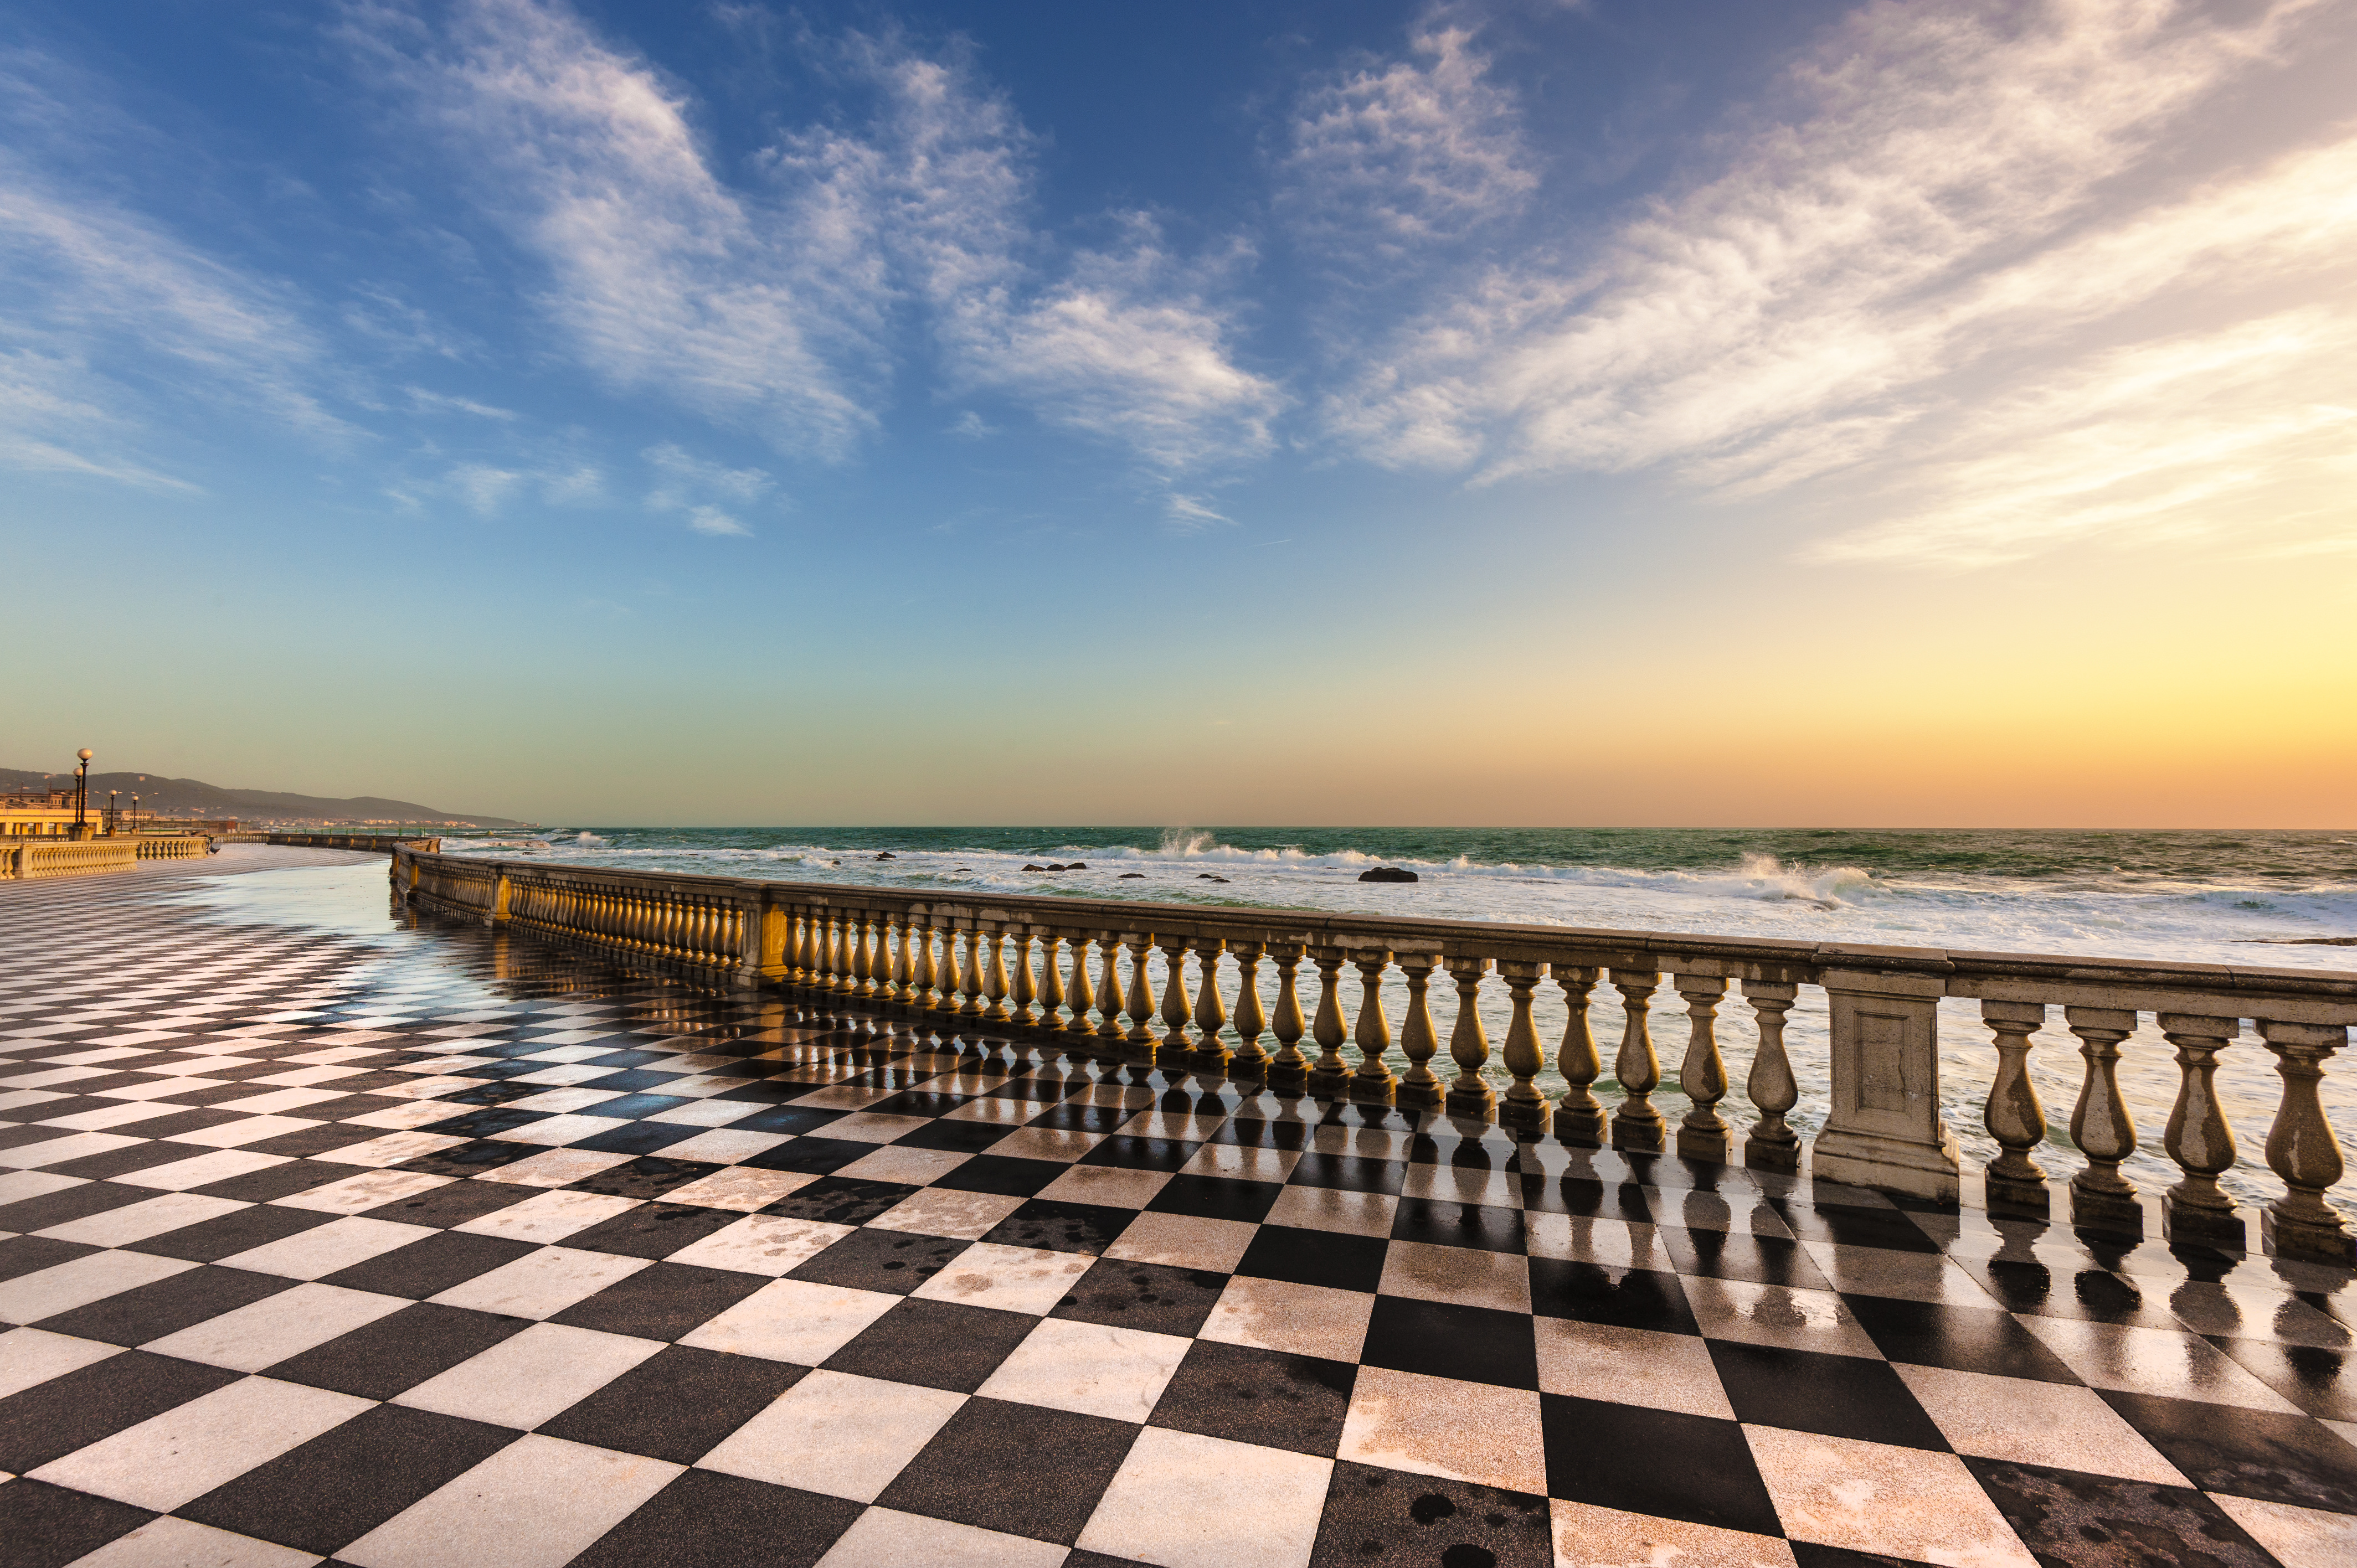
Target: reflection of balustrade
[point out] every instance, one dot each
(900, 953)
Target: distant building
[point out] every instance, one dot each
(39, 813)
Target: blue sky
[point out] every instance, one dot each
(1520, 411)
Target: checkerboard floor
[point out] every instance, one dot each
(439, 1248)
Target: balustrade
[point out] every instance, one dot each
(851, 953)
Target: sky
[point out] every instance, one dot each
(1516, 411)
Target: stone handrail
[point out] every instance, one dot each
(173, 846)
(947, 956)
(27, 858)
(375, 843)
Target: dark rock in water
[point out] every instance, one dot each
(1387, 874)
(1029, 866)
(1053, 866)
(1127, 876)
(1207, 876)
(1078, 866)
(887, 854)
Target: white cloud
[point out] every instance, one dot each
(1192, 512)
(486, 488)
(660, 276)
(690, 486)
(1975, 208)
(426, 402)
(1420, 150)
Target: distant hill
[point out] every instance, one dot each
(194, 798)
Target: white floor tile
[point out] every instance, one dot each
(792, 1320)
(1188, 1502)
(29, 1357)
(837, 1434)
(137, 1221)
(886, 1538)
(530, 1377)
(324, 1249)
(170, 1542)
(542, 1283)
(1090, 1368)
(78, 1282)
(537, 1503)
(549, 1217)
(264, 1333)
(201, 1171)
(181, 1455)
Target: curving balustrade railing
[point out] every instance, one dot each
(23, 859)
(1075, 972)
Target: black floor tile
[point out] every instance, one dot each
(1443, 1339)
(633, 1107)
(165, 1306)
(321, 1495)
(1153, 1296)
(648, 1176)
(653, 1230)
(431, 1264)
(2321, 1382)
(2247, 1452)
(811, 1155)
(676, 1404)
(895, 1262)
(399, 1350)
(964, 1473)
(641, 1138)
(1722, 1255)
(1003, 1175)
(43, 1526)
(2093, 1294)
(788, 1118)
(492, 1094)
(1249, 1133)
(1446, 1223)
(1217, 1198)
(1815, 1555)
(1330, 1257)
(1656, 1462)
(938, 1344)
(841, 1200)
(1839, 1396)
(662, 1301)
(1962, 1339)
(195, 1120)
(486, 1123)
(920, 1103)
(1264, 1397)
(1132, 1152)
(52, 1419)
(226, 1235)
(29, 1254)
(1624, 1298)
(706, 1520)
(463, 1161)
(1387, 1519)
(633, 1078)
(1350, 1173)
(69, 1203)
(1063, 1227)
(1888, 1227)
(275, 1181)
(304, 1143)
(454, 1203)
(954, 1137)
(2074, 1520)
(1070, 1117)
(124, 1160)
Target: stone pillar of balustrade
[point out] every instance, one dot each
(1209, 1056)
(2102, 1200)
(1329, 1076)
(1079, 994)
(1469, 1094)
(1771, 1145)
(1049, 993)
(1524, 1109)
(1579, 1115)
(1171, 1051)
(2015, 1183)
(2301, 1148)
(2197, 1212)
(994, 971)
(1110, 996)
(1637, 1124)
(1288, 1069)
(1139, 1000)
(1249, 1060)
(1883, 1128)
(1419, 1089)
(1703, 1134)
(1373, 1083)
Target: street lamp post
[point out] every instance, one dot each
(113, 813)
(134, 813)
(82, 795)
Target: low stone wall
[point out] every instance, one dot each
(172, 846)
(27, 858)
(375, 843)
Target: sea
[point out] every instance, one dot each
(2270, 898)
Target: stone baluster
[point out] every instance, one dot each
(2301, 1148)
(1373, 1083)
(1051, 993)
(1524, 1109)
(838, 953)
(1418, 1089)
(2196, 1212)
(2100, 1199)
(1140, 1036)
(1637, 1126)
(1771, 1144)
(803, 948)
(1110, 996)
(1079, 994)
(1331, 1075)
(2016, 1184)
(1703, 1134)
(904, 960)
(1173, 1051)
(1288, 1069)
(1579, 1115)
(1210, 1055)
(863, 964)
(952, 980)
(1250, 1060)
(994, 972)
(1468, 1046)
(975, 982)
